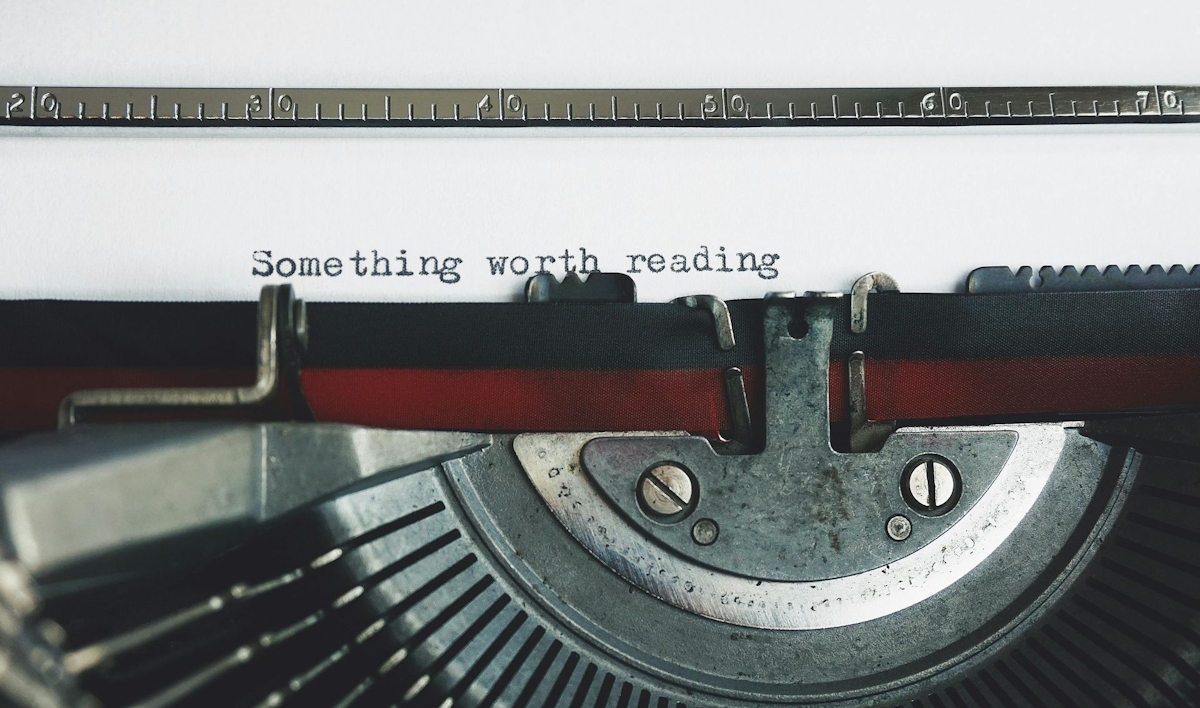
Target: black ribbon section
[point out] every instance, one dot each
(520, 336)
(64, 333)
(1021, 325)
(40, 333)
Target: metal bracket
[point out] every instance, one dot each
(877, 281)
(720, 314)
(865, 435)
(281, 330)
(741, 427)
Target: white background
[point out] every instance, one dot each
(176, 214)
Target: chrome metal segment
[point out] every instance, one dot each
(283, 106)
(76, 494)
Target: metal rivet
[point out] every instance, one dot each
(899, 527)
(705, 531)
(931, 485)
(666, 489)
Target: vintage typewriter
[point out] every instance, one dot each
(873, 498)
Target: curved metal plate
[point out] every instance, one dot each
(802, 514)
(552, 463)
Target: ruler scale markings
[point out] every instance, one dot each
(736, 107)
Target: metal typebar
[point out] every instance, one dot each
(725, 107)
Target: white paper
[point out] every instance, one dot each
(179, 214)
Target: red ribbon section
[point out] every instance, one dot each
(694, 400)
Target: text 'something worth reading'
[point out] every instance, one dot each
(449, 269)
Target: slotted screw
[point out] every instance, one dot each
(932, 485)
(666, 489)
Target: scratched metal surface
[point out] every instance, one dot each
(724, 107)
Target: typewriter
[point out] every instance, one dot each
(871, 498)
